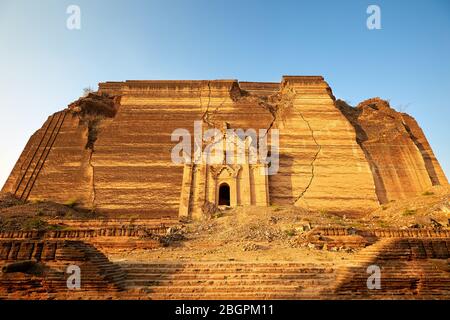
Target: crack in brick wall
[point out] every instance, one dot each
(319, 147)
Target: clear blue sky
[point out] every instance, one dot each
(44, 65)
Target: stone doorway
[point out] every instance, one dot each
(224, 195)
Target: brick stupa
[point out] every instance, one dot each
(111, 150)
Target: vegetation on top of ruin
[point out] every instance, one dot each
(18, 215)
(95, 104)
(92, 108)
(419, 211)
(277, 222)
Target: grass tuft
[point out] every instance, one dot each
(71, 203)
(409, 212)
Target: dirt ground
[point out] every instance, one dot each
(420, 210)
(272, 233)
(253, 234)
(238, 252)
(33, 215)
(278, 233)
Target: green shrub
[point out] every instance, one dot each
(71, 203)
(408, 212)
(55, 227)
(383, 224)
(290, 232)
(217, 214)
(34, 224)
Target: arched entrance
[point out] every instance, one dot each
(224, 195)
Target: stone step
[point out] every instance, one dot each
(229, 288)
(218, 278)
(260, 295)
(227, 282)
(221, 276)
(226, 264)
(241, 269)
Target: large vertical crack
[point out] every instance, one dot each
(274, 104)
(91, 110)
(91, 152)
(92, 124)
(205, 119)
(277, 104)
(208, 114)
(273, 112)
(215, 111)
(319, 147)
(424, 153)
(205, 116)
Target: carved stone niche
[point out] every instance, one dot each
(233, 181)
(225, 184)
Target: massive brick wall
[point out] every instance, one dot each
(322, 166)
(432, 166)
(55, 163)
(401, 159)
(121, 164)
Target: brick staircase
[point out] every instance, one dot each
(410, 268)
(227, 280)
(37, 157)
(100, 279)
